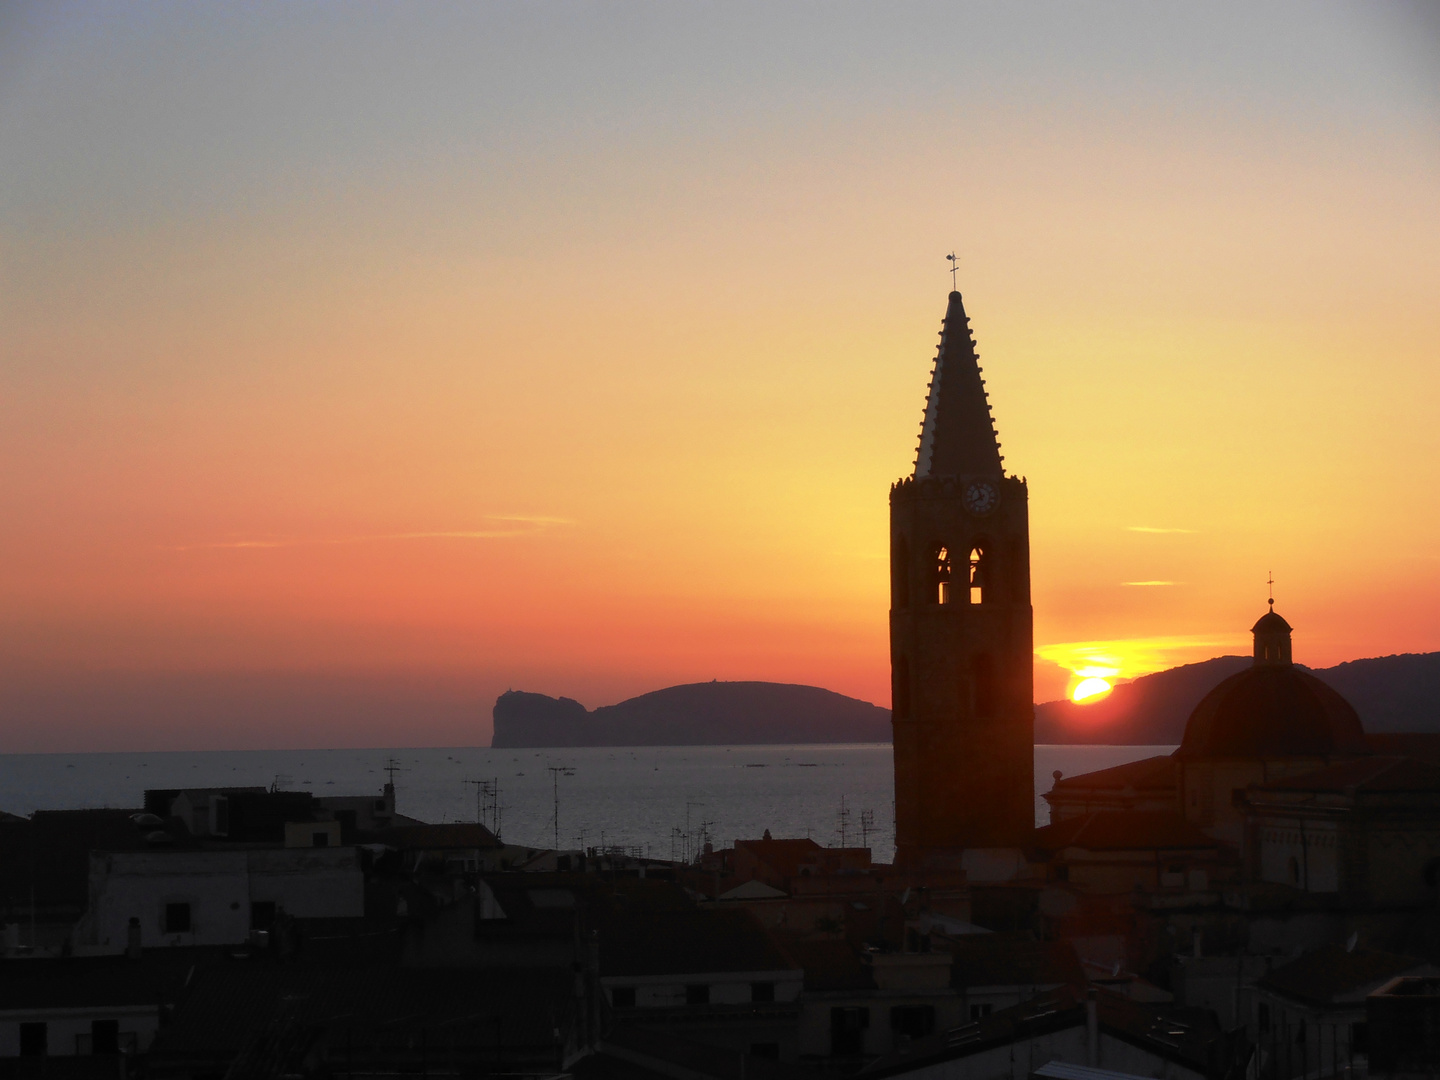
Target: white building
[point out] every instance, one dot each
(212, 896)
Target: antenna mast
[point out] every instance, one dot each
(487, 803)
(557, 771)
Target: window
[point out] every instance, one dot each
(762, 991)
(1360, 1038)
(899, 573)
(622, 997)
(262, 914)
(347, 820)
(769, 1051)
(177, 918)
(983, 669)
(320, 839)
(105, 1036)
(1262, 1017)
(978, 567)
(847, 1030)
(1294, 870)
(900, 690)
(697, 994)
(982, 1010)
(1062, 872)
(222, 816)
(940, 576)
(916, 1021)
(34, 1039)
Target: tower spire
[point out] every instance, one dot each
(957, 436)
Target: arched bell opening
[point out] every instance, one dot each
(940, 573)
(978, 574)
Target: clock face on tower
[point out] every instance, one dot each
(980, 497)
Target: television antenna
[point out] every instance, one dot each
(487, 803)
(867, 826)
(557, 771)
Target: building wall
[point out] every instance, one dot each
(1297, 1040)
(1397, 860)
(1300, 853)
(878, 1036)
(726, 988)
(68, 1030)
(1208, 789)
(219, 887)
(1223, 984)
(964, 739)
(309, 883)
(1384, 858)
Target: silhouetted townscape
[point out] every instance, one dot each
(509, 569)
(1262, 903)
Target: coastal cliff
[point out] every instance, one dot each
(695, 714)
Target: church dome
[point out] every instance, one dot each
(1273, 709)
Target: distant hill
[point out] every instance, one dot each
(696, 714)
(1391, 693)
(1152, 710)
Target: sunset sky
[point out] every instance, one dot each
(359, 362)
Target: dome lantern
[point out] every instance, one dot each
(1272, 639)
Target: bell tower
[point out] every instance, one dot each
(961, 633)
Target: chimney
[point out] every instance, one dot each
(1092, 1030)
(132, 938)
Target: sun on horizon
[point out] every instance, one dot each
(1092, 683)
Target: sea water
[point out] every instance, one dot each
(663, 801)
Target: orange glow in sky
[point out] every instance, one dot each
(360, 364)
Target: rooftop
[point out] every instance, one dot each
(1333, 974)
(1368, 774)
(1123, 830)
(1187, 1037)
(1147, 774)
(677, 942)
(1011, 960)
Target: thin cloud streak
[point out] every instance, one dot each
(1146, 584)
(540, 525)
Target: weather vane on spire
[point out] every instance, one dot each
(954, 266)
(1271, 582)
